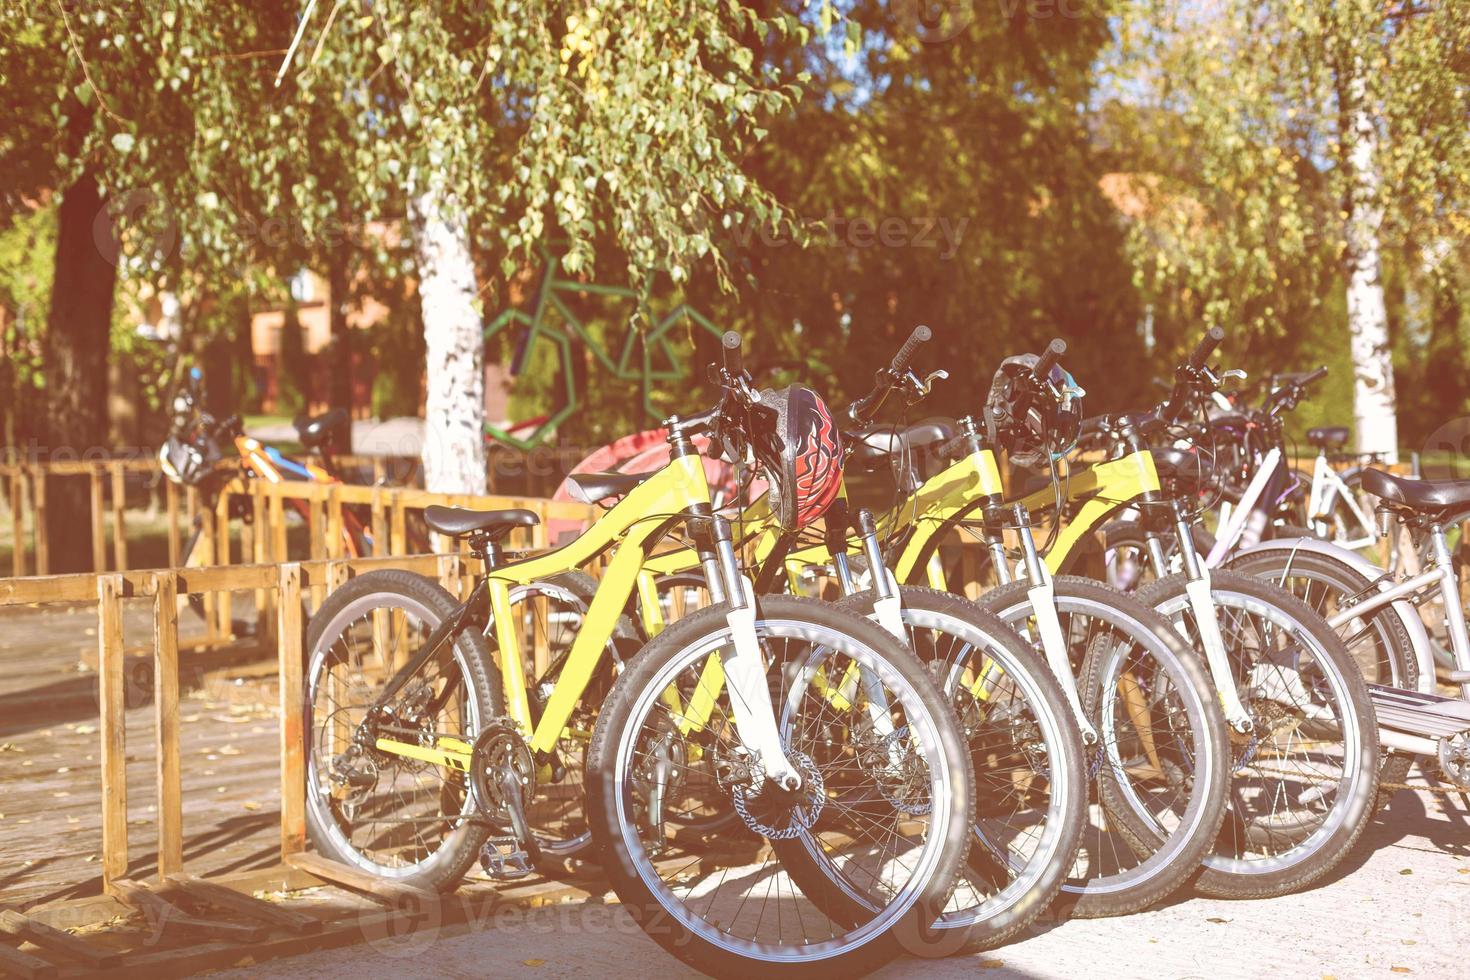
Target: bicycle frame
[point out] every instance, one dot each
(1327, 486)
(680, 489)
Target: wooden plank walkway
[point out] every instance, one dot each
(50, 815)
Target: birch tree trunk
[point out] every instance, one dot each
(1375, 408)
(454, 430)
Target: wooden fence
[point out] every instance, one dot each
(286, 583)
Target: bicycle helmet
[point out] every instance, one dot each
(801, 452)
(1041, 429)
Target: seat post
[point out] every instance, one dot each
(487, 549)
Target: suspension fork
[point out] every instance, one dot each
(1042, 594)
(742, 662)
(1201, 602)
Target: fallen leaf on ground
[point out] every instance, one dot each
(532, 962)
(991, 964)
(1407, 871)
(252, 805)
(1217, 920)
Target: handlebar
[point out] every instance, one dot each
(1206, 347)
(1049, 358)
(894, 376)
(1314, 376)
(900, 361)
(734, 362)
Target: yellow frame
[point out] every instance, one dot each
(663, 497)
(1104, 487)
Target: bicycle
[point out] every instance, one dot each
(1278, 668)
(816, 720)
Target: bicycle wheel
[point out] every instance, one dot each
(387, 814)
(1378, 644)
(1027, 754)
(1160, 766)
(877, 832)
(1304, 780)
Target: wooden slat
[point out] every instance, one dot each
(392, 892)
(380, 525)
(293, 760)
(171, 499)
(223, 602)
(17, 524)
(204, 550)
(399, 545)
(336, 544)
(164, 914)
(23, 927)
(227, 898)
(119, 529)
(166, 702)
(110, 656)
(38, 520)
(99, 529)
(25, 965)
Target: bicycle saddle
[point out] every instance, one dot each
(1328, 437)
(876, 444)
(1418, 495)
(323, 429)
(599, 486)
(458, 521)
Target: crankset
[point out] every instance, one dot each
(503, 779)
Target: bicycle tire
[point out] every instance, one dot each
(713, 947)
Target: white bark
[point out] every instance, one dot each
(1375, 408)
(454, 430)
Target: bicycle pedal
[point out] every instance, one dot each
(511, 864)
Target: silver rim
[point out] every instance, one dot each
(826, 938)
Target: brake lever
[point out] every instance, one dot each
(917, 389)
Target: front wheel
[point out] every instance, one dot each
(862, 857)
(1304, 779)
(1027, 752)
(1160, 766)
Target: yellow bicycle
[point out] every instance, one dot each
(827, 737)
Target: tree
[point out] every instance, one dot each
(510, 124)
(1310, 138)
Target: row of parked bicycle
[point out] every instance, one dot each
(1193, 676)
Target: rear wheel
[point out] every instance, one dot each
(384, 811)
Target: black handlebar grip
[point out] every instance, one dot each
(1315, 376)
(1049, 357)
(734, 363)
(1206, 347)
(920, 335)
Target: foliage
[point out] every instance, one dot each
(1231, 119)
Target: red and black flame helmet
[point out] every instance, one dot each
(801, 452)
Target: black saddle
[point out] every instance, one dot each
(874, 445)
(331, 428)
(457, 521)
(1183, 466)
(600, 486)
(1423, 496)
(1328, 437)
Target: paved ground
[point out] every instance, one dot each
(1390, 912)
